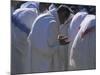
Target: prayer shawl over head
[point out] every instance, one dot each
(43, 43)
(24, 16)
(63, 49)
(53, 11)
(63, 30)
(83, 50)
(62, 52)
(52, 6)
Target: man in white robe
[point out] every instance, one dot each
(21, 26)
(43, 43)
(72, 32)
(63, 32)
(83, 50)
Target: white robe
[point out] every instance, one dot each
(73, 30)
(20, 45)
(44, 44)
(83, 51)
(63, 30)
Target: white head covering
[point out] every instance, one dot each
(64, 6)
(30, 4)
(53, 11)
(26, 16)
(52, 6)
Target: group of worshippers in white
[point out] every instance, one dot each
(49, 39)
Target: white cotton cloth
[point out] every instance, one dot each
(44, 44)
(83, 50)
(20, 45)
